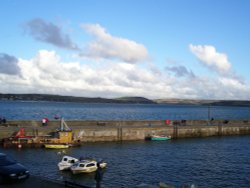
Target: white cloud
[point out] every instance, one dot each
(233, 84)
(106, 46)
(46, 73)
(227, 85)
(211, 58)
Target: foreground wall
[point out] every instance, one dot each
(92, 131)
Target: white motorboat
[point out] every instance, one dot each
(86, 166)
(66, 162)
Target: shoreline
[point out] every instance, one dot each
(121, 100)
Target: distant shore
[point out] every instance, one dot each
(121, 100)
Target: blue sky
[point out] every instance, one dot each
(155, 49)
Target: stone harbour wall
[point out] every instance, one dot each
(93, 131)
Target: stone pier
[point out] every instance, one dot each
(93, 131)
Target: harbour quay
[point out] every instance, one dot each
(94, 131)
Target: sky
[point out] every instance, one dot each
(158, 49)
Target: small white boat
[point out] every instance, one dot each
(86, 166)
(66, 162)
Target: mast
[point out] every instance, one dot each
(64, 126)
(209, 112)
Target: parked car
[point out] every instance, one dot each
(11, 170)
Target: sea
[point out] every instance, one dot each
(36, 110)
(213, 162)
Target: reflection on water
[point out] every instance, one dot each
(210, 162)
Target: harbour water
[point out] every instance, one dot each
(208, 163)
(17, 110)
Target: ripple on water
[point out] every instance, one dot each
(209, 163)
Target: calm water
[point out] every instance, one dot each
(208, 163)
(17, 110)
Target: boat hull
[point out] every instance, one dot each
(158, 138)
(56, 146)
(64, 167)
(78, 170)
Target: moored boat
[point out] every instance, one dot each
(62, 138)
(160, 138)
(66, 162)
(86, 166)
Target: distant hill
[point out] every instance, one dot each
(231, 103)
(129, 100)
(59, 98)
(204, 102)
(135, 100)
(184, 101)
